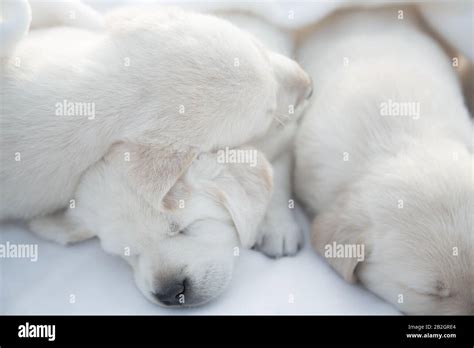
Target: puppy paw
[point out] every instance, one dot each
(59, 228)
(279, 238)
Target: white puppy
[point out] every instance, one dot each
(384, 159)
(178, 81)
(182, 245)
(279, 235)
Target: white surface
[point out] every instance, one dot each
(103, 284)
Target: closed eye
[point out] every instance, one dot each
(190, 231)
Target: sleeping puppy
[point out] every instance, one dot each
(279, 234)
(384, 160)
(180, 82)
(182, 245)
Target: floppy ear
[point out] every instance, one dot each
(343, 224)
(245, 191)
(153, 171)
(291, 77)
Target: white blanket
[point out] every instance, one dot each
(83, 279)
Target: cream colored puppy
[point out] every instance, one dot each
(182, 245)
(384, 159)
(179, 82)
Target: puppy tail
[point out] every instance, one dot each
(15, 22)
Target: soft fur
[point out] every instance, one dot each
(399, 185)
(279, 233)
(181, 246)
(180, 81)
(231, 89)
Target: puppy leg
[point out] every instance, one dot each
(279, 233)
(61, 227)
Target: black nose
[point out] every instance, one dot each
(172, 293)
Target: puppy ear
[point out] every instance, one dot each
(290, 76)
(245, 191)
(343, 227)
(153, 171)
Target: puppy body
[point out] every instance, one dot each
(183, 244)
(179, 81)
(398, 183)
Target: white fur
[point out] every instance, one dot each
(279, 233)
(176, 59)
(139, 73)
(401, 186)
(182, 244)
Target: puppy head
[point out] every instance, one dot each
(207, 81)
(183, 244)
(413, 217)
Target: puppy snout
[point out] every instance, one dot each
(172, 293)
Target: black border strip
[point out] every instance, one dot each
(221, 330)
